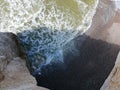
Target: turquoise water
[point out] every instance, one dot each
(45, 26)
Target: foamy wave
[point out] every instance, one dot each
(45, 26)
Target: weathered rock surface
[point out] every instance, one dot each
(106, 23)
(14, 74)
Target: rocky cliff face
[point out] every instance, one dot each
(14, 74)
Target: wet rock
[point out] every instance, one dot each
(14, 74)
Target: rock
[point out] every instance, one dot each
(107, 28)
(113, 81)
(105, 23)
(102, 20)
(14, 75)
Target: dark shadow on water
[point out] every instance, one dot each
(85, 70)
(87, 64)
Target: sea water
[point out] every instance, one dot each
(45, 26)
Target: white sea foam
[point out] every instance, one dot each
(44, 26)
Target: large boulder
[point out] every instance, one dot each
(14, 75)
